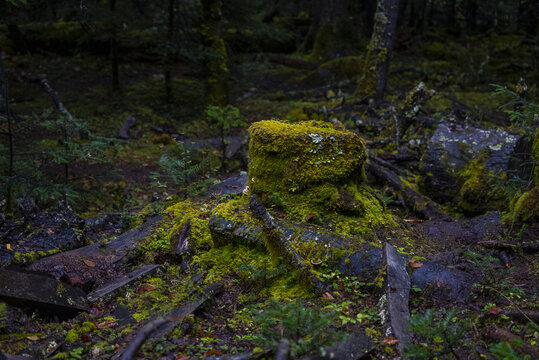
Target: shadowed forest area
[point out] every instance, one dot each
(269, 179)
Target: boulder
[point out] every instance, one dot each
(447, 166)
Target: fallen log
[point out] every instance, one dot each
(277, 240)
(161, 327)
(142, 335)
(92, 263)
(291, 62)
(413, 200)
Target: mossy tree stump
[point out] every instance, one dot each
(308, 167)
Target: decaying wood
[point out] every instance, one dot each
(277, 240)
(413, 200)
(291, 62)
(183, 241)
(388, 165)
(142, 335)
(399, 157)
(523, 315)
(493, 244)
(282, 350)
(128, 124)
(498, 335)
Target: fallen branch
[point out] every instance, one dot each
(493, 244)
(498, 335)
(399, 157)
(523, 315)
(142, 335)
(389, 165)
(278, 241)
(413, 200)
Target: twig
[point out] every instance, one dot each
(492, 244)
(142, 335)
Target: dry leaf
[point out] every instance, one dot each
(495, 310)
(89, 263)
(212, 352)
(147, 287)
(508, 265)
(418, 221)
(8, 246)
(309, 217)
(328, 296)
(415, 264)
(84, 338)
(390, 341)
(33, 337)
(182, 357)
(107, 324)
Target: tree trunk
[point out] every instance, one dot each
(4, 108)
(168, 65)
(113, 46)
(216, 62)
(376, 66)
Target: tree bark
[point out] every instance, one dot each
(113, 47)
(216, 62)
(4, 108)
(376, 67)
(167, 60)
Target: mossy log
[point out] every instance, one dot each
(413, 200)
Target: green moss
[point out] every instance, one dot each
(525, 209)
(290, 158)
(291, 287)
(75, 333)
(198, 215)
(475, 195)
(226, 260)
(527, 206)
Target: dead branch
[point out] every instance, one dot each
(498, 335)
(142, 335)
(413, 200)
(399, 157)
(493, 244)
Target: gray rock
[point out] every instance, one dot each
(445, 283)
(233, 185)
(453, 146)
(354, 347)
(41, 292)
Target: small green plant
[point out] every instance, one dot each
(3, 309)
(435, 336)
(305, 329)
(223, 119)
(180, 169)
(504, 351)
(522, 113)
(76, 353)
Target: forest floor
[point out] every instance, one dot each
(475, 283)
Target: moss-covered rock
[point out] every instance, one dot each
(291, 159)
(525, 209)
